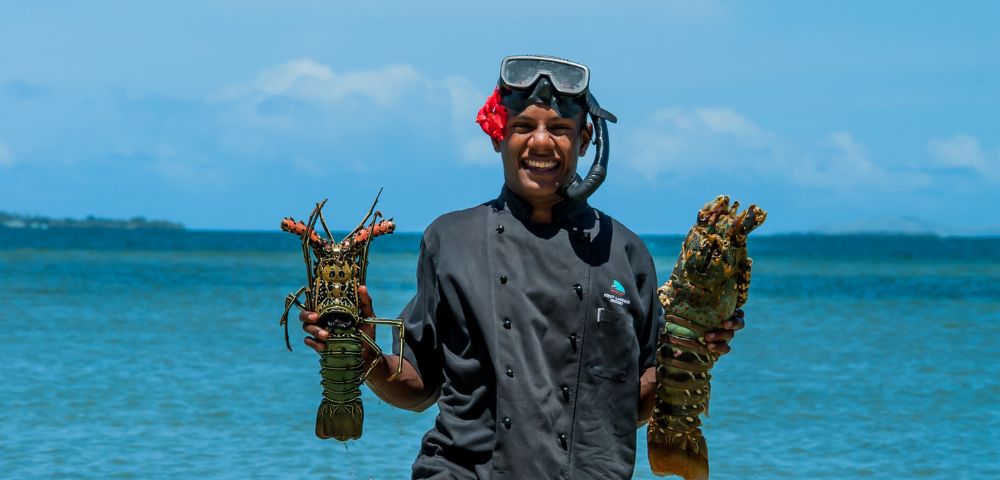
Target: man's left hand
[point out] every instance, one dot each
(718, 340)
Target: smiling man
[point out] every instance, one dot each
(535, 321)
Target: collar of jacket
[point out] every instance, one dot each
(564, 212)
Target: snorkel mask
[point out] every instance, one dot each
(563, 86)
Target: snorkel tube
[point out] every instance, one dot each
(581, 188)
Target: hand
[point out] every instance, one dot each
(319, 334)
(718, 340)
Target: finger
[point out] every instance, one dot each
(316, 331)
(719, 335)
(369, 330)
(738, 324)
(719, 347)
(366, 302)
(314, 344)
(306, 316)
(734, 323)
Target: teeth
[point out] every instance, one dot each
(540, 164)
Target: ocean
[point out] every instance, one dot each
(158, 354)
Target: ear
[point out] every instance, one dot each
(586, 133)
(496, 144)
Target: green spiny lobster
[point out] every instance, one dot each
(332, 292)
(710, 281)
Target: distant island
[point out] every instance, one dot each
(904, 225)
(13, 220)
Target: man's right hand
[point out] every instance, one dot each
(406, 391)
(319, 334)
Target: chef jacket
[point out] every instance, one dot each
(535, 335)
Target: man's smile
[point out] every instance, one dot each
(543, 166)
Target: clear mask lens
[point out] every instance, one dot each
(567, 78)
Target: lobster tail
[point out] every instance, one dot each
(342, 421)
(340, 413)
(675, 442)
(685, 456)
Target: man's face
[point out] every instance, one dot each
(540, 152)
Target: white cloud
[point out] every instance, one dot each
(309, 99)
(310, 80)
(685, 142)
(726, 121)
(6, 158)
(720, 141)
(846, 165)
(465, 100)
(958, 151)
(189, 171)
(846, 160)
(479, 151)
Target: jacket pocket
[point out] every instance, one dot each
(614, 365)
(613, 338)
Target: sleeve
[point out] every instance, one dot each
(647, 330)
(420, 322)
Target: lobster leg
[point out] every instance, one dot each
(378, 354)
(291, 299)
(402, 344)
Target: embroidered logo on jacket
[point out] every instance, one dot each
(617, 295)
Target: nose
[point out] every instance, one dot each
(541, 139)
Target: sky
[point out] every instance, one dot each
(234, 114)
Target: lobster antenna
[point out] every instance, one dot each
(370, 210)
(368, 242)
(305, 250)
(325, 229)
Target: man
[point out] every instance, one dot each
(535, 321)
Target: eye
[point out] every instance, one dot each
(522, 126)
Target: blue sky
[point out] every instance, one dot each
(231, 115)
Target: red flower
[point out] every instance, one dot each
(493, 116)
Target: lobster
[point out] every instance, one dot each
(331, 290)
(710, 280)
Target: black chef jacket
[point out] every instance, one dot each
(536, 335)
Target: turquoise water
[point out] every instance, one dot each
(158, 354)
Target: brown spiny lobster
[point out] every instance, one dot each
(332, 292)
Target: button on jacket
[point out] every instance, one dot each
(536, 335)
